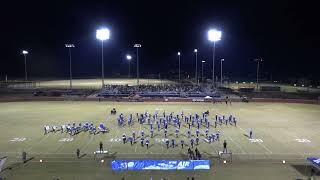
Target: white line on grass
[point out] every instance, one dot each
(39, 142)
(265, 147)
(242, 151)
(87, 144)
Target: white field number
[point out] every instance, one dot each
(160, 140)
(303, 140)
(115, 140)
(18, 139)
(66, 140)
(256, 140)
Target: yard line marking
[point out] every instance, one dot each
(86, 145)
(38, 142)
(135, 148)
(265, 148)
(242, 129)
(259, 142)
(242, 151)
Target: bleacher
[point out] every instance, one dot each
(157, 91)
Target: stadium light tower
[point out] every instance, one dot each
(202, 70)
(102, 34)
(137, 46)
(25, 53)
(258, 63)
(214, 36)
(196, 75)
(129, 60)
(221, 62)
(69, 46)
(179, 54)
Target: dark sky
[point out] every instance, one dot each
(285, 34)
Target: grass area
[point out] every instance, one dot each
(283, 131)
(283, 87)
(96, 83)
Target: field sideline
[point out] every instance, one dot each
(281, 132)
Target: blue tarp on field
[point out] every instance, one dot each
(160, 164)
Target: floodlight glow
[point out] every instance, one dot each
(222, 59)
(25, 52)
(103, 34)
(69, 45)
(178, 53)
(214, 35)
(129, 57)
(102, 161)
(224, 161)
(203, 61)
(40, 160)
(283, 161)
(195, 50)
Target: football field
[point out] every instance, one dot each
(281, 132)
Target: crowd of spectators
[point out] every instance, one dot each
(156, 90)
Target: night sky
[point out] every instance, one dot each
(285, 34)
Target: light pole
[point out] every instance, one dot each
(69, 46)
(196, 75)
(221, 72)
(258, 63)
(213, 36)
(137, 46)
(102, 34)
(25, 53)
(129, 60)
(202, 70)
(179, 65)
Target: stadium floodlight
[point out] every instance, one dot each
(259, 60)
(25, 53)
(196, 74)
(137, 46)
(129, 59)
(102, 34)
(179, 54)
(221, 71)
(202, 70)
(214, 36)
(69, 46)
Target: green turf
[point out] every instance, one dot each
(283, 87)
(96, 83)
(277, 125)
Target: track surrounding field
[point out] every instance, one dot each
(96, 83)
(281, 132)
